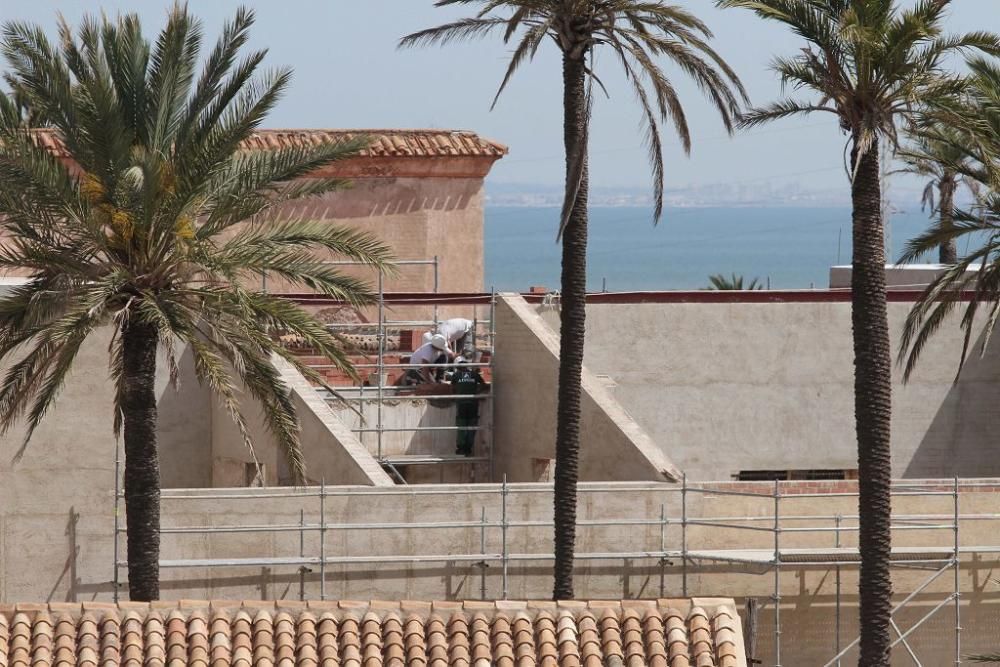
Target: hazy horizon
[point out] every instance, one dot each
(349, 73)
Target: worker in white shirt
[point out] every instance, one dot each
(434, 351)
(455, 331)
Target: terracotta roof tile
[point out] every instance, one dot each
(326, 640)
(436, 636)
(349, 642)
(524, 640)
(501, 641)
(414, 645)
(248, 634)
(384, 143)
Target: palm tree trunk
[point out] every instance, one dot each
(571, 324)
(142, 466)
(872, 409)
(948, 252)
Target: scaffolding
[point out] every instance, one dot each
(678, 556)
(481, 341)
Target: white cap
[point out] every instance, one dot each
(438, 342)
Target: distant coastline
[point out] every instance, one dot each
(707, 205)
(761, 196)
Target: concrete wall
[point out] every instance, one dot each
(56, 503)
(724, 387)
(418, 218)
(905, 277)
(613, 445)
(330, 450)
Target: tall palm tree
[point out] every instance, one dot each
(866, 62)
(931, 156)
(635, 33)
(144, 234)
(977, 275)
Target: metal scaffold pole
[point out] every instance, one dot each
(491, 455)
(322, 539)
(380, 365)
(482, 550)
(663, 548)
(838, 521)
(503, 537)
(302, 553)
(684, 535)
(957, 581)
(115, 583)
(777, 574)
(436, 286)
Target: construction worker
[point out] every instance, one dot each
(466, 381)
(455, 331)
(434, 351)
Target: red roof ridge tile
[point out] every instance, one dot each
(386, 142)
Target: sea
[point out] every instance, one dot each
(785, 248)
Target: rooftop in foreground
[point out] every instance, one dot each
(663, 632)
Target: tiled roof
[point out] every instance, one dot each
(384, 143)
(665, 633)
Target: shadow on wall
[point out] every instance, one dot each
(966, 424)
(379, 197)
(184, 428)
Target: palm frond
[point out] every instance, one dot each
(637, 32)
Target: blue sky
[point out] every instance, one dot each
(348, 73)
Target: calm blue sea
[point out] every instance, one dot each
(793, 247)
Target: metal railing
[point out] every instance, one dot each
(495, 525)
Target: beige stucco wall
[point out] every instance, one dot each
(58, 499)
(419, 218)
(723, 387)
(526, 370)
(57, 504)
(904, 277)
(332, 453)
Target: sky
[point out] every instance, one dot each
(349, 73)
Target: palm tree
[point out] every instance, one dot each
(732, 283)
(977, 117)
(865, 62)
(29, 116)
(976, 276)
(931, 156)
(144, 233)
(634, 33)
